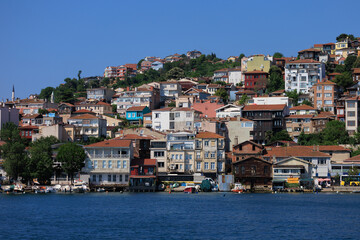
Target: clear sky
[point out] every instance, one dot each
(43, 42)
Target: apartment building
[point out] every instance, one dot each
(325, 95)
(9, 115)
(100, 94)
(174, 119)
(108, 162)
(97, 107)
(169, 90)
(88, 125)
(352, 111)
(302, 74)
(209, 154)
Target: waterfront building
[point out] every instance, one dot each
(270, 100)
(254, 173)
(108, 162)
(209, 154)
(292, 169)
(143, 175)
(247, 149)
(158, 149)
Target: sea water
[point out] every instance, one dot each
(180, 216)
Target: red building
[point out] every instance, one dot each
(28, 131)
(255, 79)
(143, 175)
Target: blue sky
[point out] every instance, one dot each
(43, 42)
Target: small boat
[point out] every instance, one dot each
(8, 189)
(40, 190)
(18, 188)
(79, 187)
(190, 188)
(50, 190)
(57, 187)
(238, 188)
(100, 190)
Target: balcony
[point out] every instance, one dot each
(109, 156)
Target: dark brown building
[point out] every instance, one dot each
(266, 118)
(254, 173)
(247, 149)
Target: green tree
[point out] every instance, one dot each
(241, 56)
(349, 62)
(79, 75)
(344, 80)
(13, 151)
(105, 81)
(278, 55)
(175, 73)
(222, 93)
(243, 100)
(294, 96)
(276, 81)
(357, 63)
(72, 157)
(46, 93)
(335, 133)
(343, 36)
(307, 102)
(353, 171)
(279, 136)
(339, 68)
(139, 63)
(114, 108)
(40, 163)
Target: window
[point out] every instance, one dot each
(219, 166)
(188, 124)
(253, 170)
(319, 103)
(212, 166)
(104, 164)
(351, 123)
(114, 178)
(120, 178)
(328, 94)
(188, 114)
(198, 165)
(161, 164)
(159, 154)
(206, 143)
(351, 113)
(124, 164)
(328, 102)
(351, 104)
(206, 154)
(94, 178)
(109, 178)
(157, 115)
(95, 164)
(266, 169)
(177, 115)
(126, 178)
(206, 166)
(319, 88)
(100, 178)
(110, 164)
(242, 170)
(118, 164)
(90, 164)
(212, 154)
(328, 88)
(181, 166)
(318, 95)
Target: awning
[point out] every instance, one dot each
(324, 179)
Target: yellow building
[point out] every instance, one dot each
(258, 62)
(341, 45)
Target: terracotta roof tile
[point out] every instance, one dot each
(256, 72)
(137, 108)
(300, 116)
(135, 136)
(208, 135)
(333, 148)
(84, 116)
(84, 111)
(302, 107)
(294, 151)
(275, 107)
(115, 142)
(304, 61)
(143, 162)
(327, 82)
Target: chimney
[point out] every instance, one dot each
(317, 148)
(314, 148)
(236, 141)
(288, 143)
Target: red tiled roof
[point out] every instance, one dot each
(324, 115)
(143, 162)
(30, 116)
(353, 159)
(294, 151)
(137, 108)
(318, 45)
(356, 70)
(208, 135)
(303, 107)
(275, 107)
(67, 104)
(2, 143)
(279, 91)
(327, 82)
(103, 103)
(83, 111)
(245, 92)
(148, 114)
(115, 142)
(84, 116)
(334, 74)
(310, 50)
(333, 148)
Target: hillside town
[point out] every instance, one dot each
(260, 122)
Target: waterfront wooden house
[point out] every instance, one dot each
(247, 149)
(143, 175)
(254, 173)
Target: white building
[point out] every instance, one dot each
(302, 74)
(229, 110)
(108, 162)
(235, 76)
(270, 101)
(88, 125)
(169, 90)
(174, 119)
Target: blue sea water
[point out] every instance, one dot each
(180, 216)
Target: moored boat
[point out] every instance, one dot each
(238, 188)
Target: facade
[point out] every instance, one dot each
(352, 111)
(9, 115)
(87, 125)
(158, 149)
(143, 175)
(120, 71)
(209, 154)
(97, 107)
(66, 108)
(246, 150)
(301, 75)
(253, 173)
(256, 62)
(295, 124)
(31, 106)
(193, 54)
(325, 95)
(169, 90)
(157, 65)
(311, 53)
(292, 168)
(255, 79)
(136, 114)
(266, 118)
(108, 162)
(270, 100)
(174, 119)
(100, 94)
(56, 130)
(235, 76)
(207, 107)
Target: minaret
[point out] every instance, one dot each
(52, 97)
(13, 94)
